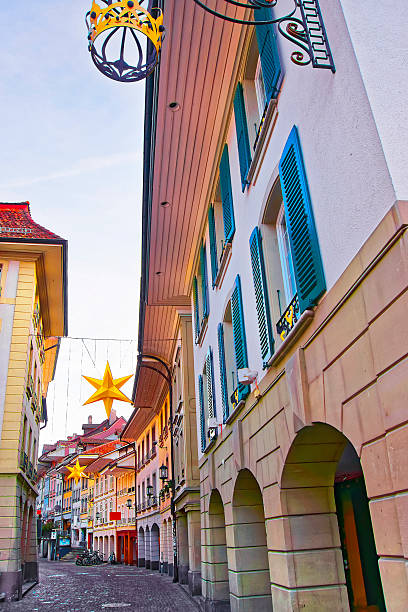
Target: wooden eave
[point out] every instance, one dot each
(198, 71)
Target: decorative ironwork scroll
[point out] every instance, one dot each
(117, 34)
(303, 26)
(289, 318)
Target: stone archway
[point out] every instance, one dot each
(247, 548)
(141, 548)
(310, 555)
(154, 547)
(214, 566)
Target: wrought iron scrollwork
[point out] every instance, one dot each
(303, 26)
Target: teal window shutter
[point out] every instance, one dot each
(261, 295)
(213, 244)
(244, 150)
(309, 274)
(204, 281)
(196, 311)
(268, 52)
(202, 413)
(209, 368)
(226, 196)
(238, 330)
(223, 373)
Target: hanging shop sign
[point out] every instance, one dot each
(124, 38)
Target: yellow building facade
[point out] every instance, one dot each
(32, 318)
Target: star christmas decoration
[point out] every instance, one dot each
(107, 389)
(77, 472)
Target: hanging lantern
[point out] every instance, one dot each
(124, 39)
(303, 25)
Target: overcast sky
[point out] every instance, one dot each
(71, 144)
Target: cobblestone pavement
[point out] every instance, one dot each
(65, 587)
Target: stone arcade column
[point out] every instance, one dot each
(182, 541)
(194, 549)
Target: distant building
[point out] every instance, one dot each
(33, 316)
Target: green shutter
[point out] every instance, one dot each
(226, 196)
(309, 275)
(209, 368)
(268, 52)
(238, 330)
(196, 311)
(213, 244)
(204, 281)
(241, 125)
(202, 413)
(223, 373)
(261, 295)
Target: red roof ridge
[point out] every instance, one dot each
(16, 222)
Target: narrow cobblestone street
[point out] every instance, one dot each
(65, 587)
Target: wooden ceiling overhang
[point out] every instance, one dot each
(197, 71)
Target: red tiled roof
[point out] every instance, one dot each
(16, 222)
(104, 448)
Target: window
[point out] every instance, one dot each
(232, 351)
(285, 256)
(200, 294)
(260, 85)
(221, 221)
(208, 415)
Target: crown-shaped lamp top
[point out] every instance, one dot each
(127, 14)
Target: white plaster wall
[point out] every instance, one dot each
(378, 32)
(6, 330)
(348, 177)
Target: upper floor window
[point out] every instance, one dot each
(206, 395)
(221, 221)
(232, 350)
(259, 85)
(200, 294)
(286, 264)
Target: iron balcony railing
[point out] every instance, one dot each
(289, 318)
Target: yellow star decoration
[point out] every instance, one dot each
(76, 472)
(108, 389)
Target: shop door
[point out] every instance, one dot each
(358, 547)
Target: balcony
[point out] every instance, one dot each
(288, 319)
(30, 386)
(23, 461)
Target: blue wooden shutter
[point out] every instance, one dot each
(213, 244)
(196, 311)
(209, 368)
(310, 282)
(204, 281)
(238, 330)
(202, 413)
(226, 196)
(268, 52)
(261, 295)
(244, 150)
(223, 373)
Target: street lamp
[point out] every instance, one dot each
(163, 473)
(98, 516)
(129, 503)
(149, 490)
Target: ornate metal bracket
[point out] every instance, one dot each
(303, 26)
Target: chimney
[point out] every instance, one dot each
(90, 419)
(112, 417)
